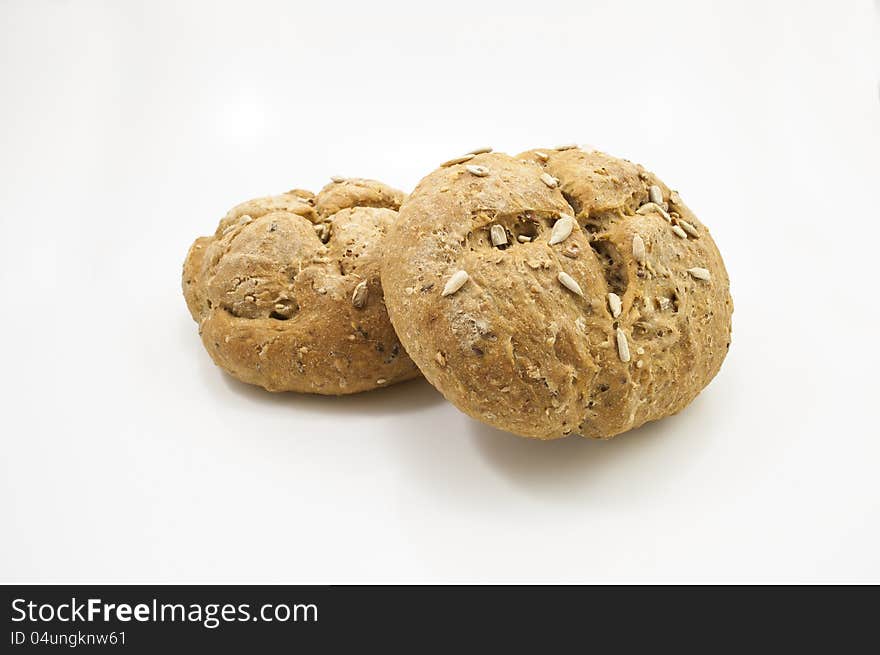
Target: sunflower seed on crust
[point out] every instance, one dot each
(614, 304)
(455, 282)
(549, 180)
(677, 231)
(457, 160)
(690, 229)
(336, 179)
(479, 171)
(640, 254)
(498, 235)
(655, 194)
(567, 146)
(569, 283)
(543, 156)
(522, 238)
(480, 151)
(359, 297)
(622, 346)
(650, 207)
(561, 229)
(700, 273)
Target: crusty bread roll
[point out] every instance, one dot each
(560, 292)
(287, 292)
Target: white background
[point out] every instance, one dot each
(130, 128)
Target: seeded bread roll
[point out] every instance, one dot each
(287, 293)
(563, 291)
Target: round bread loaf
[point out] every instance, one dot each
(287, 292)
(560, 292)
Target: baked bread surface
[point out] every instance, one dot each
(287, 293)
(528, 337)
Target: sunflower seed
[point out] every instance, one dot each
(549, 180)
(522, 238)
(440, 358)
(569, 283)
(675, 198)
(655, 194)
(359, 297)
(479, 171)
(567, 146)
(638, 247)
(337, 179)
(622, 346)
(244, 220)
(679, 232)
(458, 160)
(381, 381)
(543, 156)
(650, 207)
(561, 229)
(480, 151)
(455, 282)
(614, 304)
(690, 229)
(498, 235)
(700, 273)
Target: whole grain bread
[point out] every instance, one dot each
(287, 293)
(562, 291)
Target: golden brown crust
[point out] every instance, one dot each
(273, 291)
(516, 345)
(354, 192)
